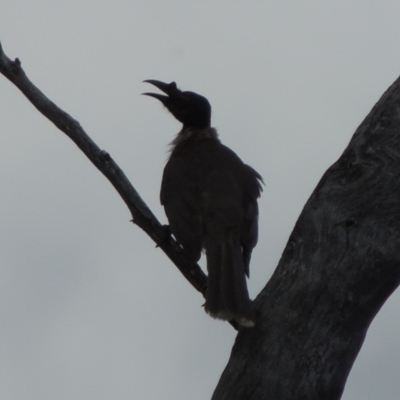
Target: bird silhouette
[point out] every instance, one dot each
(210, 199)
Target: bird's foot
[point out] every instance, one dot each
(166, 234)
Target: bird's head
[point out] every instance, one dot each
(193, 110)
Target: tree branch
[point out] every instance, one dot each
(340, 265)
(141, 214)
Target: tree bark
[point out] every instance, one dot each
(341, 263)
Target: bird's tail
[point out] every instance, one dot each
(227, 296)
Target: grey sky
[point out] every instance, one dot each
(89, 309)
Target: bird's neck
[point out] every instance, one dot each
(194, 134)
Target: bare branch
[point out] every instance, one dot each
(141, 214)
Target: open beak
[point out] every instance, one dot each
(168, 88)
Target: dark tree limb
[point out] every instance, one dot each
(141, 214)
(340, 265)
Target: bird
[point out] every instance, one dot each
(210, 199)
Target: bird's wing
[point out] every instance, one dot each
(249, 232)
(180, 198)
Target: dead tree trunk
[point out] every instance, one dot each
(341, 263)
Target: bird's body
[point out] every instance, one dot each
(210, 199)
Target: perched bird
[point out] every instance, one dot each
(210, 199)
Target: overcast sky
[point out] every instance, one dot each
(89, 309)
